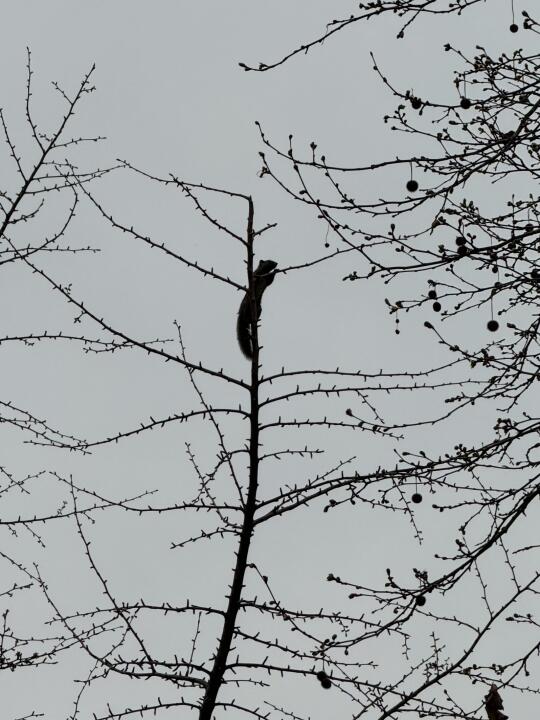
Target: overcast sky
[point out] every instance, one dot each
(171, 98)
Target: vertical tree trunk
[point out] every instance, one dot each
(216, 675)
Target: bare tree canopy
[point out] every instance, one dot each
(258, 506)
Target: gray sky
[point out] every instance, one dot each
(171, 98)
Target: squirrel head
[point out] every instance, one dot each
(266, 267)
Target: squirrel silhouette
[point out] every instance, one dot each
(263, 276)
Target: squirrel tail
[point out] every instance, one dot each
(243, 330)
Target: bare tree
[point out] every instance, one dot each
(406, 642)
(256, 635)
(253, 635)
(39, 200)
(464, 217)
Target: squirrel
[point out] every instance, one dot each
(263, 276)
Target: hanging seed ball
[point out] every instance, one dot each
(460, 240)
(529, 227)
(323, 678)
(513, 28)
(535, 274)
(412, 186)
(493, 326)
(437, 306)
(416, 498)
(465, 103)
(416, 103)
(462, 251)
(421, 600)
(432, 295)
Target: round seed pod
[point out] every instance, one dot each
(412, 186)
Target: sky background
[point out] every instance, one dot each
(171, 98)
